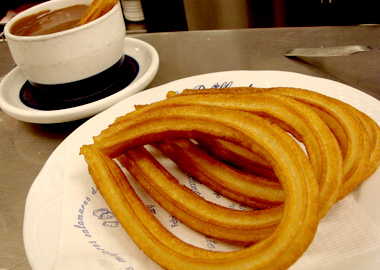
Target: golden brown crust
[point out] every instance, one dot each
(242, 187)
(343, 149)
(241, 227)
(300, 217)
(295, 117)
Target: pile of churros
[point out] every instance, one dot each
(287, 153)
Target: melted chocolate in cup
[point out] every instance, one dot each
(68, 95)
(48, 22)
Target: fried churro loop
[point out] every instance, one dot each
(295, 117)
(300, 217)
(247, 126)
(239, 227)
(356, 133)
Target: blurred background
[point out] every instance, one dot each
(279, 13)
(190, 15)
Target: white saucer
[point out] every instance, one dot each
(145, 55)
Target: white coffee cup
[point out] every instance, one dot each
(71, 55)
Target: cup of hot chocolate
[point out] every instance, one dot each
(55, 51)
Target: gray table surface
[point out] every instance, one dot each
(25, 147)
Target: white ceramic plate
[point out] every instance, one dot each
(145, 55)
(44, 202)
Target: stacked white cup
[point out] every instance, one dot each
(132, 10)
